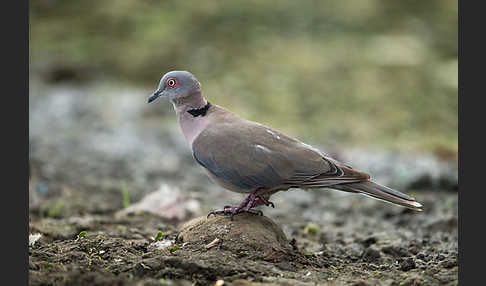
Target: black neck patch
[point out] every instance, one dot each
(200, 111)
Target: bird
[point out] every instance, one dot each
(248, 157)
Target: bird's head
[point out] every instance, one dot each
(175, 85)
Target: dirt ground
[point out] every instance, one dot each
(92, 165)
(369, 245)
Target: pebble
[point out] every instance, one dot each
(407, 264)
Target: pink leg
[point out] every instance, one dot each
(254, 199)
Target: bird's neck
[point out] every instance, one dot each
(191, 125)
(193, 101)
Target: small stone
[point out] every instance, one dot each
(448, 263)
(414, 249)
(371, 255)
(407, 264)
(33, 238)
(396, 251)
(161, 244)
(369, 241)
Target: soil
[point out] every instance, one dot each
(372, 245)
(83, 167)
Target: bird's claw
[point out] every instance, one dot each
(266, 202)
(254, 199)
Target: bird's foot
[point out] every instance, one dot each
(256, 198)
(265, 201)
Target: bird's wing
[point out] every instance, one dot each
(250, 155)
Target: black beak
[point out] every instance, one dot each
(154, 95)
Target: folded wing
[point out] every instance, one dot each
(249, 155)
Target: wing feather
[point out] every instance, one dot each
(249, 155)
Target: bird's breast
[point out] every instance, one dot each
(192, 126)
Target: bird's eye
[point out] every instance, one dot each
(171, 82)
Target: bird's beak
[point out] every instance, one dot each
(154, 95)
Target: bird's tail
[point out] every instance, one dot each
(380, 192)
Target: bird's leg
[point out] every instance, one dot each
(264, 200)
(255, 198)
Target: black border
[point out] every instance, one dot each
(15, 127)
(471, 89)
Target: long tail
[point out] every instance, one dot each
(380, 192)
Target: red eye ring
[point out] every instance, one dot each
(171, 82)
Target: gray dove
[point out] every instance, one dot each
(251, 158)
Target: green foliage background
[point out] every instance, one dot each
(374, 73)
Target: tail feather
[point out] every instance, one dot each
(380, 192)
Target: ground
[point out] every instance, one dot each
(374, 244)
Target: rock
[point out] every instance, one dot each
(244, 234)
(369, 241)
(414, 249)
(407, 264)
(33, 238)
(448, 263)
(396, 251)
(168, 202)
(371, 255)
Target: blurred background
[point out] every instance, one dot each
(373, 83)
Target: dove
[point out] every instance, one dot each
(251, 158)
